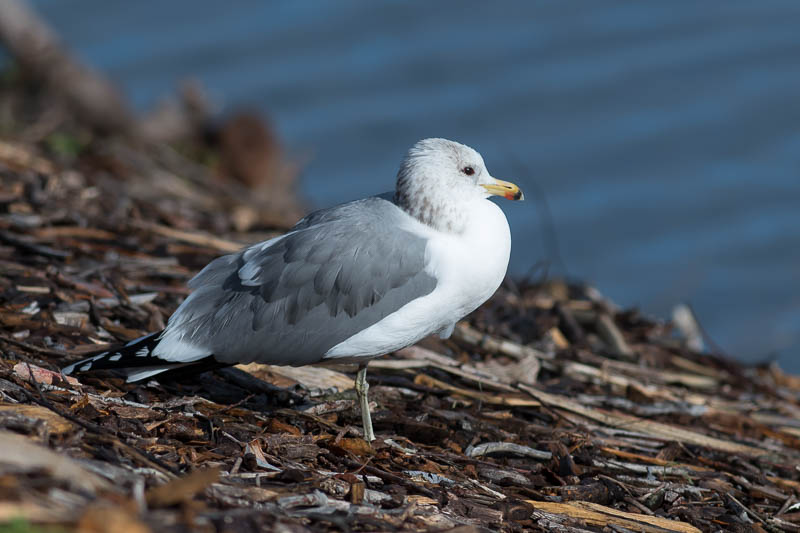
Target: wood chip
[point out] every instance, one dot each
(24, 456)
(181, 489)
(42, 375)
(598, 515)
(313, 377)
(55, 424)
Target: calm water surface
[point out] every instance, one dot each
(664, 135)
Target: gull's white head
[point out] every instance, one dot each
(437, 178)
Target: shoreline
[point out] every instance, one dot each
(549, 409)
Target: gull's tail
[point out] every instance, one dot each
(136, 361)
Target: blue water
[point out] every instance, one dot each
(664, 135)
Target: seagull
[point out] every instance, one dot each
(346, 284)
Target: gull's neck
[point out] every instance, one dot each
(438, 210)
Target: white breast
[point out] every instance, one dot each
(468, 267)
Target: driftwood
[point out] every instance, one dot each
(39, 51)
(254, 179)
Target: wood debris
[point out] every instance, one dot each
(549, 409)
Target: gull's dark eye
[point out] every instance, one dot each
(469, 171)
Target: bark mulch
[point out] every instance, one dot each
(549, 409)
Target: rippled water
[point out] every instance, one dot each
(664, 135)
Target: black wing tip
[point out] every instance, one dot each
(84, 365)
(136, 362)
(124, 356)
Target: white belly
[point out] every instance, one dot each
(469, 267)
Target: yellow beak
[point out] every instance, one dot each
(506, 189)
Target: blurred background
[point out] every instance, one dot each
(659, 142)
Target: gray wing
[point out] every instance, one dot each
(290, 300)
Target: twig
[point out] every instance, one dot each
(612, 335)
(31, 347)
(489, 448)
(193, 237)
(465, 333)
(745, 508)
(33, 248)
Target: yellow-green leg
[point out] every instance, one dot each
(362, 387)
